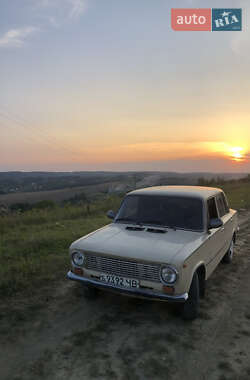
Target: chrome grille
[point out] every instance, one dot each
(124, 268)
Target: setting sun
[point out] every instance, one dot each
(237, 153)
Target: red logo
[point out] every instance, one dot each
(191, 19)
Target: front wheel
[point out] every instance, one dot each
(229, 255)
(191, 307)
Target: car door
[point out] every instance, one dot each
(226, 217)
(215, 239)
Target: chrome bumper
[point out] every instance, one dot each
(145, 293)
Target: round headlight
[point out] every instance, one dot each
(168, 274)
(78, 258)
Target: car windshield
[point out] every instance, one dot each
(166, 211)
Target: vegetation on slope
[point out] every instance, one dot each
(34, 244)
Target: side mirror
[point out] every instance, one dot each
(110, 214)
(215, 223)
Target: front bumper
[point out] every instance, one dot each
(144, 293)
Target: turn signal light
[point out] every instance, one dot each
(78, 271)
(168, 289)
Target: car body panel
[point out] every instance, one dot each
(116, 240)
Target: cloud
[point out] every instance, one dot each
(71, 9)
(77, 8)
(53, 22)
(16, 37)
(56, 12)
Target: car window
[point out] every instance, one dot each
(212, 210)
(221, 205)
(224, 199)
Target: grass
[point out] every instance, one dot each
(34, 244)
(238, 194)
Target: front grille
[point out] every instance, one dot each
(124, 268)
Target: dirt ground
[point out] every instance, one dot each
(114, 337)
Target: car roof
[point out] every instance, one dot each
(181, 191)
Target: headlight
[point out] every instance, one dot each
(168, 274)
(78, 258)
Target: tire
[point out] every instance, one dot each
(191, 307)
(227, 259)
(90, 292)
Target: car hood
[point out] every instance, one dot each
(117, 240)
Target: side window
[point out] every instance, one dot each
(224, 199)
(221, 205)
(212, 210)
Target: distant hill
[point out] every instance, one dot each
(19, 182)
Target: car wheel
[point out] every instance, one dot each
(229, 255)
(90, 292)
(191, 307)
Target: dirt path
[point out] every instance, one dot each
(122, 338)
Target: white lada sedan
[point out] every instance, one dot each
(163, 244)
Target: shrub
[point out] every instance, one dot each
(44, 204)
(21, 207)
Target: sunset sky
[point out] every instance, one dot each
(107, 85)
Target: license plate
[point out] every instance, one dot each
(119, 281)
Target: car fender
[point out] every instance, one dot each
(192, 271)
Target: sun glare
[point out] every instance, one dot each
(237, 153)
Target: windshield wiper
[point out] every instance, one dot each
(157, 223)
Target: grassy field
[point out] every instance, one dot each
(238, 194)
(34, 245)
